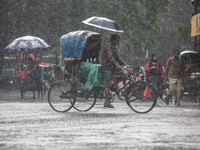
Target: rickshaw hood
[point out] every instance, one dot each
(73, 43)
(187, 52)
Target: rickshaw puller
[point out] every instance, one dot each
(111, 63)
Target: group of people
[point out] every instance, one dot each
(173, 72)
(30, 75)
(111, 64)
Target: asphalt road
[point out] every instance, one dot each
(33, 125)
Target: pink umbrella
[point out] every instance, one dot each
(43, 65)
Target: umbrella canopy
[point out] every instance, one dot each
(187, 53)
(27, 43)
(103, 23)
(43, 65)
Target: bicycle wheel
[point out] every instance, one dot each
(61, 96)
(136, 98)
(121, 94)
(85, 101)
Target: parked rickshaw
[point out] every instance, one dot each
(191, 80)
(83, 83)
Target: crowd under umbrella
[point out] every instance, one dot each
(26, 46)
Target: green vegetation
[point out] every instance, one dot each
(50, 19)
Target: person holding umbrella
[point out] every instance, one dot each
(111, 64)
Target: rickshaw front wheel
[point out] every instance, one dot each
(141, 97)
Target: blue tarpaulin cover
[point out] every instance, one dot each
(73, 43)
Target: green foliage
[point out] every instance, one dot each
(183, 32)
(50, 19)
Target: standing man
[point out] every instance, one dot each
(34, 78)
(111, 64)
(173, 71)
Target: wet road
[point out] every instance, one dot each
(34, 125)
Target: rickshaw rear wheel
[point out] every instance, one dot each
(62, 95)
(137, 100)
(85, 101)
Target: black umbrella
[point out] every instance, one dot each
(103, 23)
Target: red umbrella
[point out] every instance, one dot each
(43, 65)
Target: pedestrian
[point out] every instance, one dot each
(24, 73)
(34, 77)
(174, 72)
(111, 65)
(35, 73)
(154, 74)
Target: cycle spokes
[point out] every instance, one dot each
(137, 100)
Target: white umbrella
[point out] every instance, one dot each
(103, 23)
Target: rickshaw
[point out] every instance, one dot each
(83, 78)
(191, 80)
